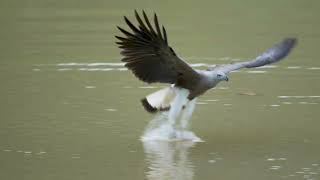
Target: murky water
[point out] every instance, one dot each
(69, 110)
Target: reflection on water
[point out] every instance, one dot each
(70, 109)
(168, 160)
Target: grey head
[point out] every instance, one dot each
(220, 76)
(212, 78)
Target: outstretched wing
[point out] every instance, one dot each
(272, 55)
(147, 54)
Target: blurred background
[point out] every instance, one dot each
(69, 110)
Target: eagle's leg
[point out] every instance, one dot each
(187, 113)
(179, 101)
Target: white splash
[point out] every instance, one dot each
(314, 68)
(91, 64)
(274, 105)
(95, 69)
(286, 97)
(173, 125)
(294, 67)
(64, 69)
(256, 72)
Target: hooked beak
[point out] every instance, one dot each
(227, 79)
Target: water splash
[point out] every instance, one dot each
(173, 125)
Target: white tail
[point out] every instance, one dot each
(160, 100)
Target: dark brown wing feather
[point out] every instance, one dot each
(147, 54)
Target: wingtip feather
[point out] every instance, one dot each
(291, 41)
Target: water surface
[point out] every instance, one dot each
(69, 110)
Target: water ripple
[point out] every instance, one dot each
(119, 66)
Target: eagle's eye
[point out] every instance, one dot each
(219, 75)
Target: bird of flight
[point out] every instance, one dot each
(148, 55)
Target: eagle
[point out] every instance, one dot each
(147, 53)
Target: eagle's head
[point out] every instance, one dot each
(221, 76)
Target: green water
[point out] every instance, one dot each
(84, 121)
